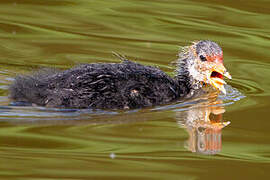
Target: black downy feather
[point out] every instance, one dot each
(125, 85)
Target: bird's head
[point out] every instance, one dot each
(203, 62)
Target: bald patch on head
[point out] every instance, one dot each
(211, 50)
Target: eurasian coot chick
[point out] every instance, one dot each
(123, 85)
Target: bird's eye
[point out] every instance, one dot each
(203, 58)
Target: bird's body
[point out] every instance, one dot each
(124, 85)
(111, 86)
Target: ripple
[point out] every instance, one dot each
(22, 114)
(248, 86)
(251, 77)
(232, 96)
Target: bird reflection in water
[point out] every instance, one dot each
(204, 126)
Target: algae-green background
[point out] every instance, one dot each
(51, 33)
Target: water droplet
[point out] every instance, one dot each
(112, 155)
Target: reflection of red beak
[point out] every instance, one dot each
(209, 140)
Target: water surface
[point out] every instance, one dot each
(224, 138)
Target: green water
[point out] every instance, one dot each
(169, 142)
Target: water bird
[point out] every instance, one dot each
(124, 85)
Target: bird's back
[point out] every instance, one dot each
(105, 86)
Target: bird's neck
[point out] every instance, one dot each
(184, 75)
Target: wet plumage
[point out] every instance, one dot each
(124, 85)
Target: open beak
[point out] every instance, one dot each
(216, 75)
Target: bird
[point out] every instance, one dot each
(124, 85)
